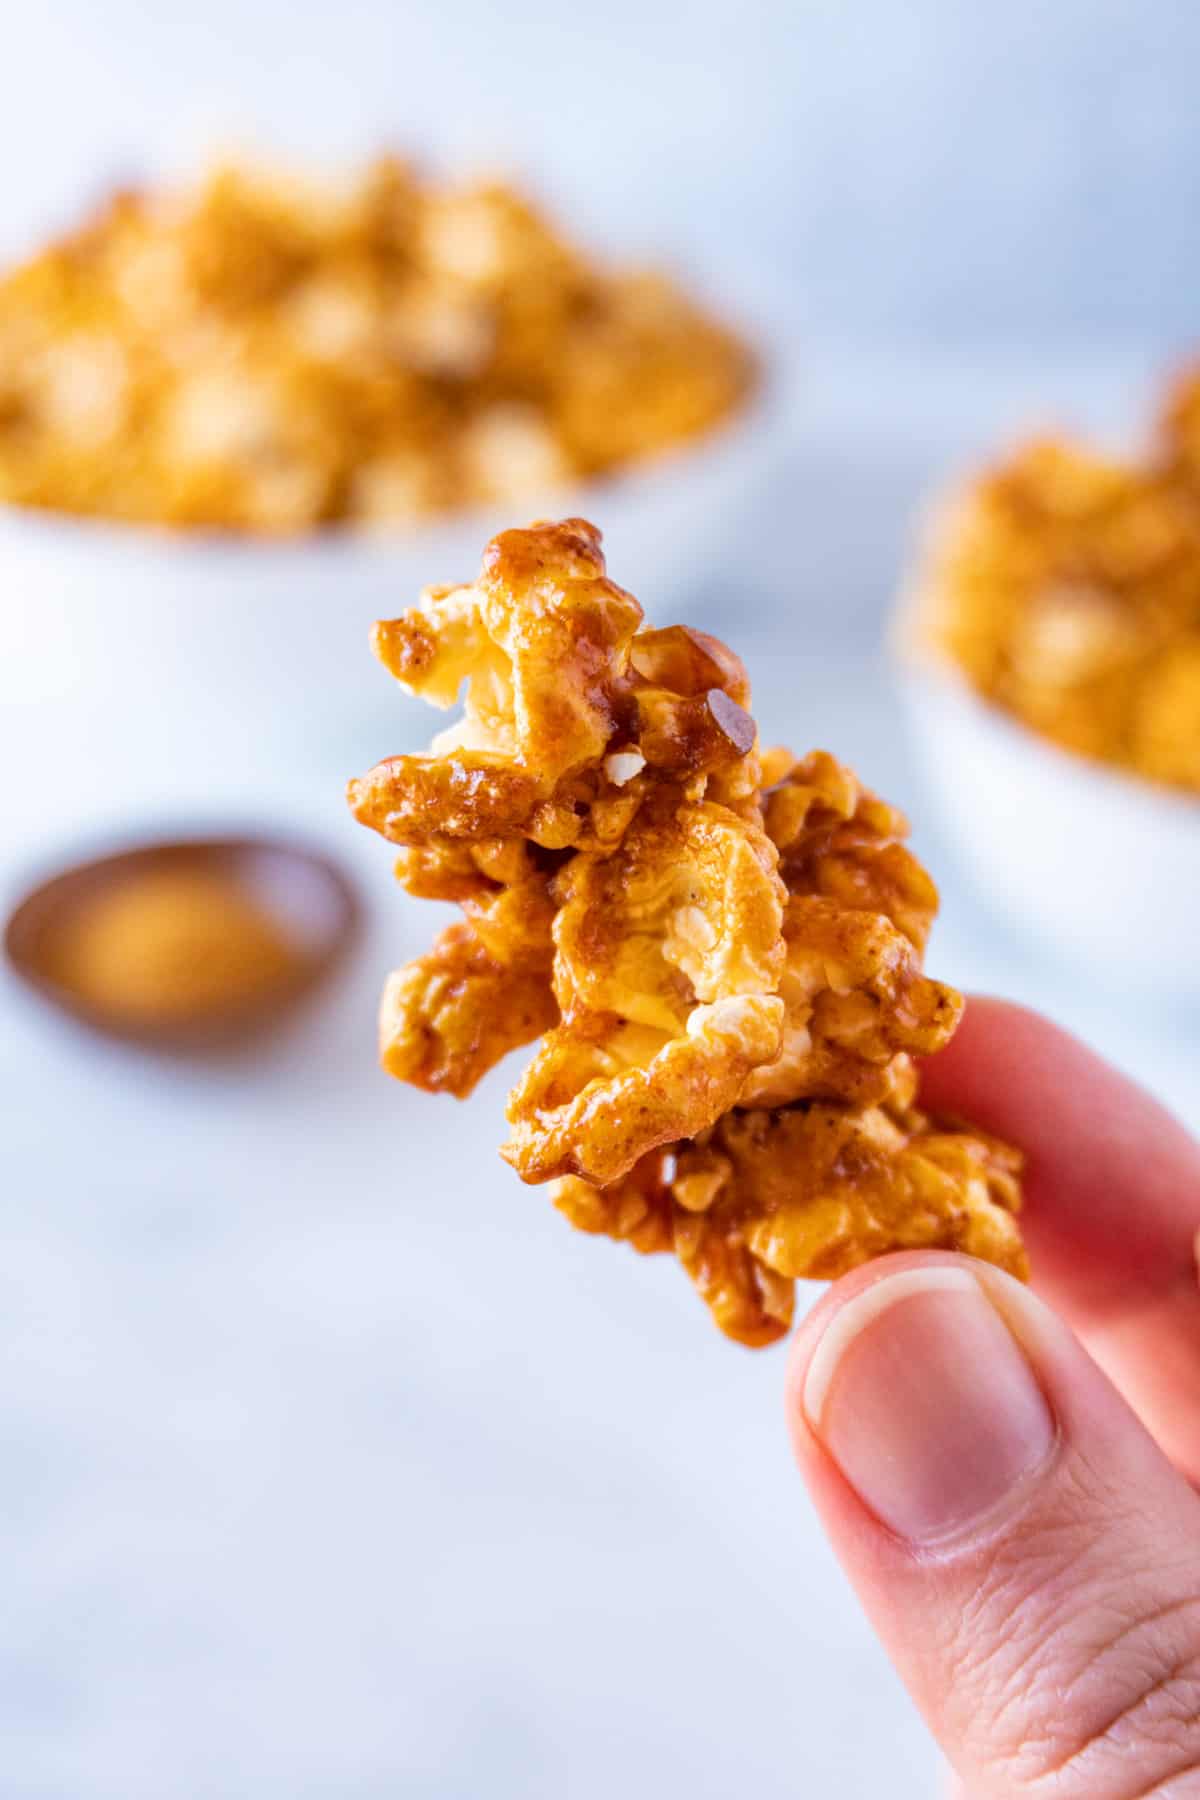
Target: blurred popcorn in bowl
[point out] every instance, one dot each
(1066, 587)
(270, 355)
(1052, 641)
(241, 422)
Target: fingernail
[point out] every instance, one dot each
(926, 1402)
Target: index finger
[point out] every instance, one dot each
(1112, 1201)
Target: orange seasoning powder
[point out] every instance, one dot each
(169, 946)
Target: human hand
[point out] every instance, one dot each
(1024, 1539)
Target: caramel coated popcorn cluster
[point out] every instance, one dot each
(720, 949)
(1066, 586)
(269, 356)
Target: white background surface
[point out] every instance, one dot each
(932, 169)
(332, 1463)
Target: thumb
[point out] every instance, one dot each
(1027, 1554)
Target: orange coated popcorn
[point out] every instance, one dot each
(1066, 586)
(271, 355)
(568, 723)
(858, 912)
(668, 953)
(719, 947)
(449, 1017)
(808, 1190)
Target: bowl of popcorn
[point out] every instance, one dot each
(239, 421)
(1051, 638)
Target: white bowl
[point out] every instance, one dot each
(1101, 867)
(195, 669)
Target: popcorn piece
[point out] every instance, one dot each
(541, 641)
(508, 452)
(692, 698)
(688, 910)
(808, 1191)
(721, 946)
(644, 371)
(489, 238)
(837, 839)
(450, 1016)
(441, 331)
(485, 988)
(855, 998)
(858, 914)
(595, 1104)
(398, 487)
(668, 952)
(1059, 580)
(555, 683)
(749, 1301)
(82, 387)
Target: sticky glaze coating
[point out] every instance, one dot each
(808, 1190)
(719, 948)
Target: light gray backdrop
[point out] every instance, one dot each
(925, 167)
